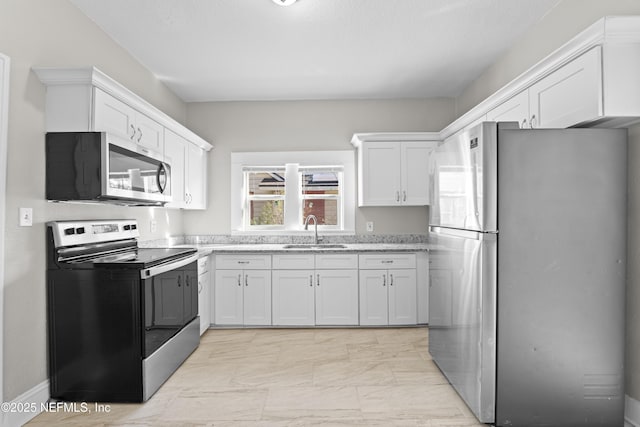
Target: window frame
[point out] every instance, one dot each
(242, 162)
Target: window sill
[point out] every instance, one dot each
(293, 233)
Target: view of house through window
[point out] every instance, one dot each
(282, 197)
(266, 197)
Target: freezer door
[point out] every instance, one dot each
(463, 175)
(561, 268)
(462, 292)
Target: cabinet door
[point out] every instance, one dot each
(204, 300)
(515, 109)
(380, 165)
(174, 155)
(228, 297)
(373, 297)
(336, 297)
(402, 297)
(257, 297)
(195, 178)
(293, 297)
(569, 95)
(415, 174)
(113, 116)
(168, 290)
(149, 133)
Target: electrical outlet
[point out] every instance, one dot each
(26, 217)
(370, 226)
(153, 225)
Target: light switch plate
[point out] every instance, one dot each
(26, 217)
(370, 226)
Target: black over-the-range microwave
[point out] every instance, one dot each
(102, 167)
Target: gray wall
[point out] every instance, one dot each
(300, 126)
(52, 33)
(556, 28)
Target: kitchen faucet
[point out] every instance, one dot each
(315, 223)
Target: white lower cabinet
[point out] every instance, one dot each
(204, 291)
(388, 296)
(310, 296)
(293, 298)
(243, 295)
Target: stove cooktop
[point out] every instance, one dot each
(143, 257)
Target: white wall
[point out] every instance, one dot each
(560, 25)
(53, 33)
(300, 126)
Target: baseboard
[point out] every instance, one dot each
(26, 406)
(631, 412)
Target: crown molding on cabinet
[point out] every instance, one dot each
(92, 76)
(607, 30)
(359, 138)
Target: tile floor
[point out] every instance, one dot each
(296, 377)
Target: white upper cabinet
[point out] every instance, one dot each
(87, 100)
(114, 116)
(195, 182)
(174, 154)
(515, 109)
(392, 168)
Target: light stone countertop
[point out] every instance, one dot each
(281, 248)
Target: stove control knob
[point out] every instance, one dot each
(127, 227)
(69, 231)
(80, 230)
(134, 227)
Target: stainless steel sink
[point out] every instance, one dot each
(314, 246)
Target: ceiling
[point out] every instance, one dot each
(222, 50)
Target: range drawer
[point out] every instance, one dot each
(246, 262)
(294, 262)
(386, 261)
(337, 261)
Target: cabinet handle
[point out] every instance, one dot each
(243, 262)
(199, 286)
(246, 280)
(397, 196)
(139, 134)
(239, 279)
(524, 124)
(311, 280)
(387, 261)
(318, 279)
(532, 122)
(384, 280)
(404, 195)
(390, 279)
(186, 281)
(133, 132)
(179, 284)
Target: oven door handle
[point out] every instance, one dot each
(163, 268)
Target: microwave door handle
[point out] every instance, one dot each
(162, 170)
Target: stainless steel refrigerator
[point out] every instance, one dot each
(527, 273)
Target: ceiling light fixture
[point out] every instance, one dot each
(284, 2)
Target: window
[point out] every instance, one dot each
(273, 198)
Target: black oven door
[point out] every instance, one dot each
(170, 301)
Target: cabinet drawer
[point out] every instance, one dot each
(294, 262)
(337, 261)
(247, 262)
(385, 261)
